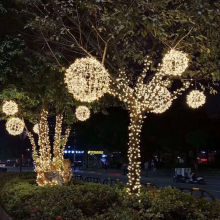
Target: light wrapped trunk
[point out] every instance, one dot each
(134, 157)
(50, 165)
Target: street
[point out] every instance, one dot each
(162, 178)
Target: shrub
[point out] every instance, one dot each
(23, 199)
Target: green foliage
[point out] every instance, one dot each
(2, 9)
(22, 199)
(135, 29)
(11, 52)
(27, 77)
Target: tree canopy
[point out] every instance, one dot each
(132, 30)
(28, 77)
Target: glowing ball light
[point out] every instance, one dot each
(161, 101)
(175, 63)
(36, 128)
(82, 113)
(15, 126)
(195, 99)
(87, 79)
(162, 108)
(10, 108)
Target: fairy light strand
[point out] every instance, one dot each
(36, 129)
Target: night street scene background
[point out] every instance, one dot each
(109, 110)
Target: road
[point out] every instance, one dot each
(161, 179)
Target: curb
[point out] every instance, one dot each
(4, 215)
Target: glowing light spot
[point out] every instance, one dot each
(87, 79)
(15, 126)
(10, 108)
(82, 113)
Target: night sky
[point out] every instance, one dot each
(110, 132)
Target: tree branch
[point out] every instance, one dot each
(50, 49)
(105, 51)
(183, 37)
(77, 43)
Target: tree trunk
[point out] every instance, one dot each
(134, 157)
(50, 166)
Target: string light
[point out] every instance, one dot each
(195, 99)
(175, 63)
(87, 79)
(36, 129)
(82, 113)
(50, 166)
(15, 126)
(144, 98)
(10, 108)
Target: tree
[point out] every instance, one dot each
(121, 35)
(36, 85)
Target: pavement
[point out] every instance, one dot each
(162, 178)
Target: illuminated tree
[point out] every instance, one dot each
(36, 94)
(50, 166)
(143, 98)
(120, 35)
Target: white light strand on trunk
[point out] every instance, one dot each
(144, 98)
(45, 164)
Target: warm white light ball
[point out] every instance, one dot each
(175, 63)
(195, 99)
(87, 79)
(161, 100)
(10, 108)
(82, 113)
(15, 126)
(36, 128)
(163, 107)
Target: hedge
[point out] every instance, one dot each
(23, 199)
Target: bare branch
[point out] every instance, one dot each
(50, 49)
(180, 91)
(183, 37)
(79, 26)
(77, 43)
(93, 27)
(105, 51)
